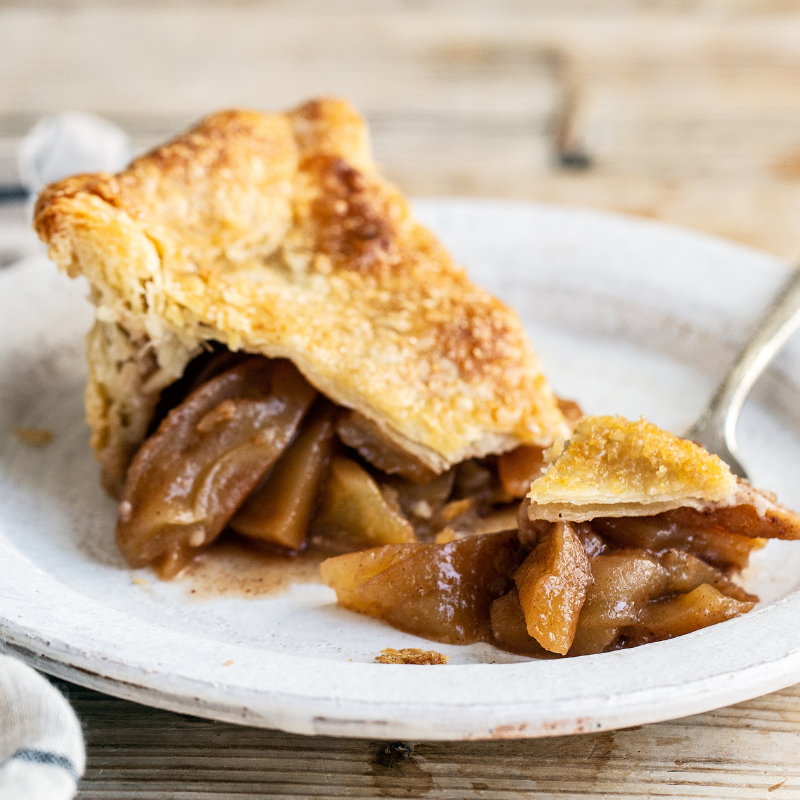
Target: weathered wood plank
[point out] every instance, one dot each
(761, 214)
(664, 95)
(687, 112)
(738, 752)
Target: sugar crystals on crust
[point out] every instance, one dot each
(612, 466)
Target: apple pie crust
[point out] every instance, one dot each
(275, 234)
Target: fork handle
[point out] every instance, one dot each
(776, 325)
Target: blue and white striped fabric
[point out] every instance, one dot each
(41, 745)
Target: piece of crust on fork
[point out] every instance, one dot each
(612, 467)
(275, 234)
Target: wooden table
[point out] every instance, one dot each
(682, 111)
(751, 750)
(687, 112)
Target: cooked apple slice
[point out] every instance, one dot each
(552, 584)
(689, 612)
(349, 572)
(353, 506)
(279, 510)
(719, 547)
(509, 630)
(439, 591)
(364, 435)
(519, 468)
(624, 582)
(423, 502)
(208, 454)
(685, 573)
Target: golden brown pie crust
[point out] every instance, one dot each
(275, 234)
(614, 467)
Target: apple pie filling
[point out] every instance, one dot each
(245, 444)
(248, 446)
(631, 535)
(560, 588)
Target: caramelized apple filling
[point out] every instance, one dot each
(280, 509)
(240, 443)
(440, 591)
(551, 587)
(246, 444)
(208, 454)
(560, 589)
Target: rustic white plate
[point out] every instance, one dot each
(628, 317)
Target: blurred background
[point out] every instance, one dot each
(681, 110)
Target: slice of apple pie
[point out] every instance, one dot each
(274, 326)
(630, 535)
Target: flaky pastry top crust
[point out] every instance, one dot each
(275, 234)
(613, 467)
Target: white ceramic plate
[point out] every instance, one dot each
(628, 317)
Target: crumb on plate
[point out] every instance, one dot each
(410, 655)
(35, 436)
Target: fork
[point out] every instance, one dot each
(716, 427)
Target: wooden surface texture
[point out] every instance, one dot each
(748, 751)
(682, 110)
(686, 111)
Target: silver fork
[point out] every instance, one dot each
(716, 428)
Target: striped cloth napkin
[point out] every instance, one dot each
(41, 745)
